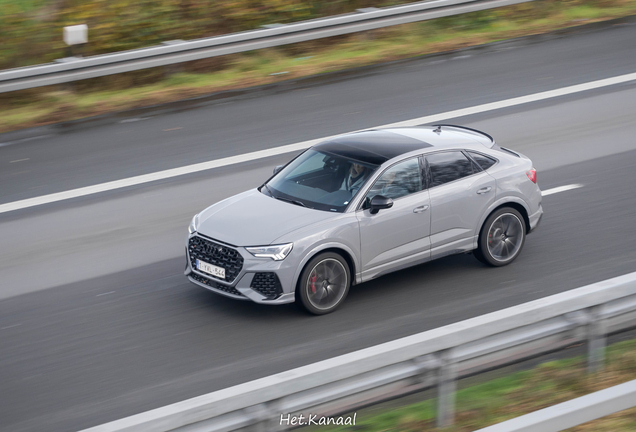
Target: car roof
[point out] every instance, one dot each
(377, 146)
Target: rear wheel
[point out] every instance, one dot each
(501, 238)
(324, 283)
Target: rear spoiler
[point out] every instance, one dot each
(473, 131)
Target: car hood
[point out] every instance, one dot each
(254, 219)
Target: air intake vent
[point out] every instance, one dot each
(215, 285)
(267, 284)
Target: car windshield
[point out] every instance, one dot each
(319, 180)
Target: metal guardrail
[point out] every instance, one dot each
(573, 412)
(172, 52)
(435, 358)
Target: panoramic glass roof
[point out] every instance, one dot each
(371, 147)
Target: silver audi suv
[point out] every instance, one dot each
(362, 205)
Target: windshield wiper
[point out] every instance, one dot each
(300, 203)
(297, 202)
(268, 190)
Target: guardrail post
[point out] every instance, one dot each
(446, 387)
(590, 321)
(265, 417)
(425, 365)
(596, 340)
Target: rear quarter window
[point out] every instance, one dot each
(483, 161)
(445, 167)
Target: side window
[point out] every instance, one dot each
(484, 162)
(448, 166)
(397, 181)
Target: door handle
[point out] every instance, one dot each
(484, 190)
(420, 209)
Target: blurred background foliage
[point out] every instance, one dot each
(31, 33)
(31, 30)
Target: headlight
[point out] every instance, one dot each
(194, 224)
(277, 252)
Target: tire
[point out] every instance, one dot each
(501, 238)
(324, 283)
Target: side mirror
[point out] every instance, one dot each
(380, 202)
(278, 168)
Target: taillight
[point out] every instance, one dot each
(532, 175)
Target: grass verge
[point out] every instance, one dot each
(520, 393)
(46, 105)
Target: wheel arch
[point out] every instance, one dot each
(341, 250)
(513, 202)
(521, 209)
(347, 257)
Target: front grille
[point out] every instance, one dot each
(215, 254)
(267, 284)
(216, 285)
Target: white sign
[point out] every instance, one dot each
(77, 34)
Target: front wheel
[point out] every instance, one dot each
(501, 238)
(324, 283)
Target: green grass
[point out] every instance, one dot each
(519, 393)
(156, 86)
(21, 6)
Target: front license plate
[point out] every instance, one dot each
(211, 269)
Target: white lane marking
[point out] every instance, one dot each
(8, 143)
(106, 293)
(560, 189)
(19, 160)
(203, 166)
(136, 119)
(11, 326)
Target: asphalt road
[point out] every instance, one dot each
(97, 321)
(255, 121)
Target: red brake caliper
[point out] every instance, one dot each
(314, 276)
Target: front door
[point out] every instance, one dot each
(396, 237)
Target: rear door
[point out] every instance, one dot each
(460, 193)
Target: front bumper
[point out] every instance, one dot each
(242, 286)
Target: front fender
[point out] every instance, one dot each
(329, 244)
